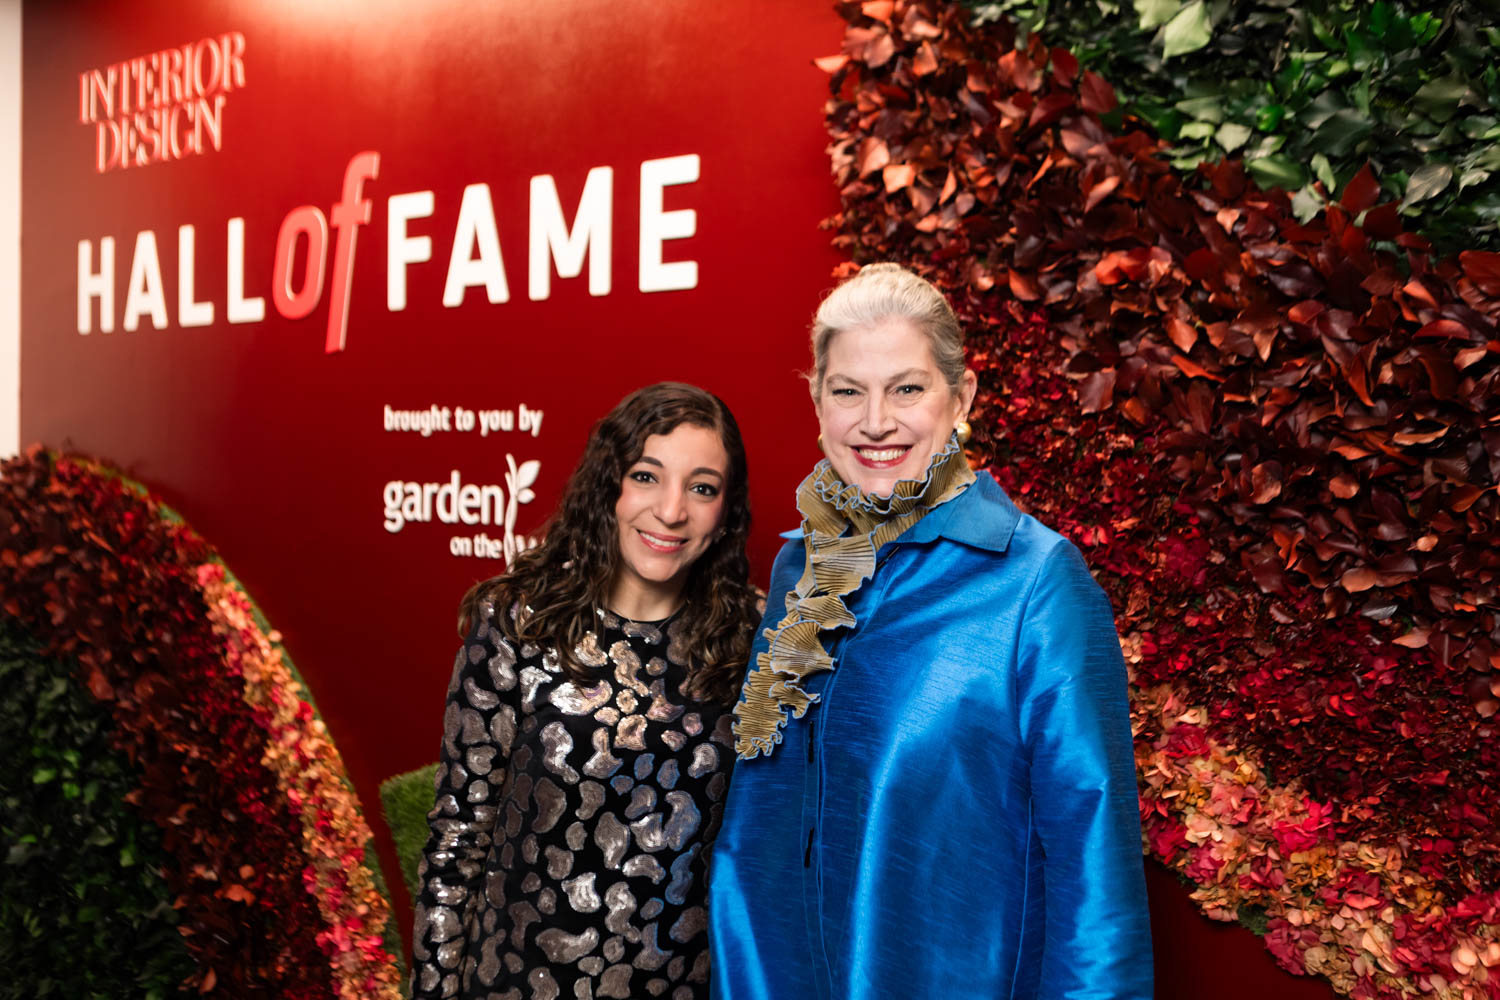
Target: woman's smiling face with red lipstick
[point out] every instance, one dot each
(884, 409)
(670, 508)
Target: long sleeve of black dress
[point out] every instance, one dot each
(479, 728)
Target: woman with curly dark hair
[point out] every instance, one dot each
(586, 741)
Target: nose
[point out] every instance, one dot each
(877, 420)
(671, 507)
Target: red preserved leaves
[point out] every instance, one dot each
(1277, 442)
(97, 573)
(1362, 191)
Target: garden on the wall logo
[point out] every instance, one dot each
(162, 106)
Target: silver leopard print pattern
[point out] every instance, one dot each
(565, 858)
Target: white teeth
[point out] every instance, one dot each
(885, 455)
(665, 543)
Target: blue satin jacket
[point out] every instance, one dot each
(955, 816)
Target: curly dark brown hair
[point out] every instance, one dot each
(565, 578)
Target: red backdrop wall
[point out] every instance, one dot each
(270, 434)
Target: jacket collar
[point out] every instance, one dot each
(982, 517)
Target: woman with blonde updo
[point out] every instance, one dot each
(935, 792)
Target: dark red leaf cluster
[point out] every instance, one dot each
(1278, 443)
(96, 573)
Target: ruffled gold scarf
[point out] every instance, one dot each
(842, 530)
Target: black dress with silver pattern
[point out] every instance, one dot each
(565, 858)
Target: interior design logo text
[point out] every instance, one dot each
(162, 106)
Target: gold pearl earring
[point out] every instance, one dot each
(820, 445)
(964, 431)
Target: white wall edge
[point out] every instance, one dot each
(10, 227)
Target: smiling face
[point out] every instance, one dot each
(669, 512)
(884, 408)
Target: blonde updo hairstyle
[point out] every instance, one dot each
(881, 292)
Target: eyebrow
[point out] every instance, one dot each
(909, 374)
(700, 470)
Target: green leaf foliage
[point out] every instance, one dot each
(1188, 30)
(1307, 92)
(85, 912)
(407, 799)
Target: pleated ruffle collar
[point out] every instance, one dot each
(843, 530)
